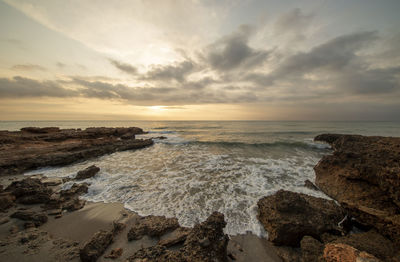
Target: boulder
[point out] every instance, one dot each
(153, 226)
(96, 246)
(289, 216)
(88, 172)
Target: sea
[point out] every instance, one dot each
(206, 166)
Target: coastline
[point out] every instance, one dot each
(301, 227)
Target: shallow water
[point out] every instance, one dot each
(209, 166)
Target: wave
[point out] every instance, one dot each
(289, 144)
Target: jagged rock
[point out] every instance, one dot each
(68, 199)
(96, 246)
(210, 231)
(115, 253)
(363, 175)
(346, 253)
(88, 172)
(289, 216)
(29, 191)
(175, 237)
(153, 226)
(39, 147)
(36, 218)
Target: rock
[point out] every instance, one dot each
(96, 246)
(38, 130)
(346, 253)
(128, 136)
(40, 147)
(52, 181)
(363, 175)
(175, 237)
(29, 191)
(88, 172)
(6, 201)
(153, 226)
(36, 218)
(371, 242)
(311, 249)
(289, 216)
(76, 189)
(209, 232)
(115, 253)
(310, 185)
(68, 199)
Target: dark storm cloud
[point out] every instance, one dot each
(28, 67)
(127, 68)
(24, 87)
(233, 51)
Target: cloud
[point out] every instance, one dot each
(18, 87)
(294, 23)
(176, 71)
(337, 65)
(127, 68)
(28, 67)
(233, 51)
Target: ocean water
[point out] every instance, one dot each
(208, 166)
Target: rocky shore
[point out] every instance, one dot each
(34, 147)
(43, 220)
(363, 176)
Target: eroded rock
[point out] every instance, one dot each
(205, 242)
(38, 218)
(289, 216)
(88, 172)
(29, 191)
(363, 175)
(153, 226)
(346, 253)
(96, 246)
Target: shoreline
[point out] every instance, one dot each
(41, 222)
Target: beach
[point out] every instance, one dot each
(62, 211)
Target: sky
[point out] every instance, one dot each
(200, 60)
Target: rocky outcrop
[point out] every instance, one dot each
(29, 191)
(363, 175)
(153, 226)
(205, 242)
(88, 172)
(33, 147)
(289, 216)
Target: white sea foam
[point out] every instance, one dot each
(190, 181)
